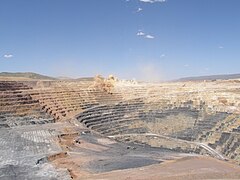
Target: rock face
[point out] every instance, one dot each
(40, 119)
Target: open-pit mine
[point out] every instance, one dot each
(100, 128)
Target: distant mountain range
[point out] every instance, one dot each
(35, 76)
(212, 77)
(28, 75)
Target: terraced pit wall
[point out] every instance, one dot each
(187, 115)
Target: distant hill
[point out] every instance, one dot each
(28, 75)
(64, 78)
(213, 77)
(86, 79)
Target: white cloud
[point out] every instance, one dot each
(162, 56)
(186, 65)
(139, 10)
(143, 34)
(8, 56)
(220, 47)
(149, 36)
(140, 33)
(152, 1)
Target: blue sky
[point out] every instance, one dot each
(143, 39)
